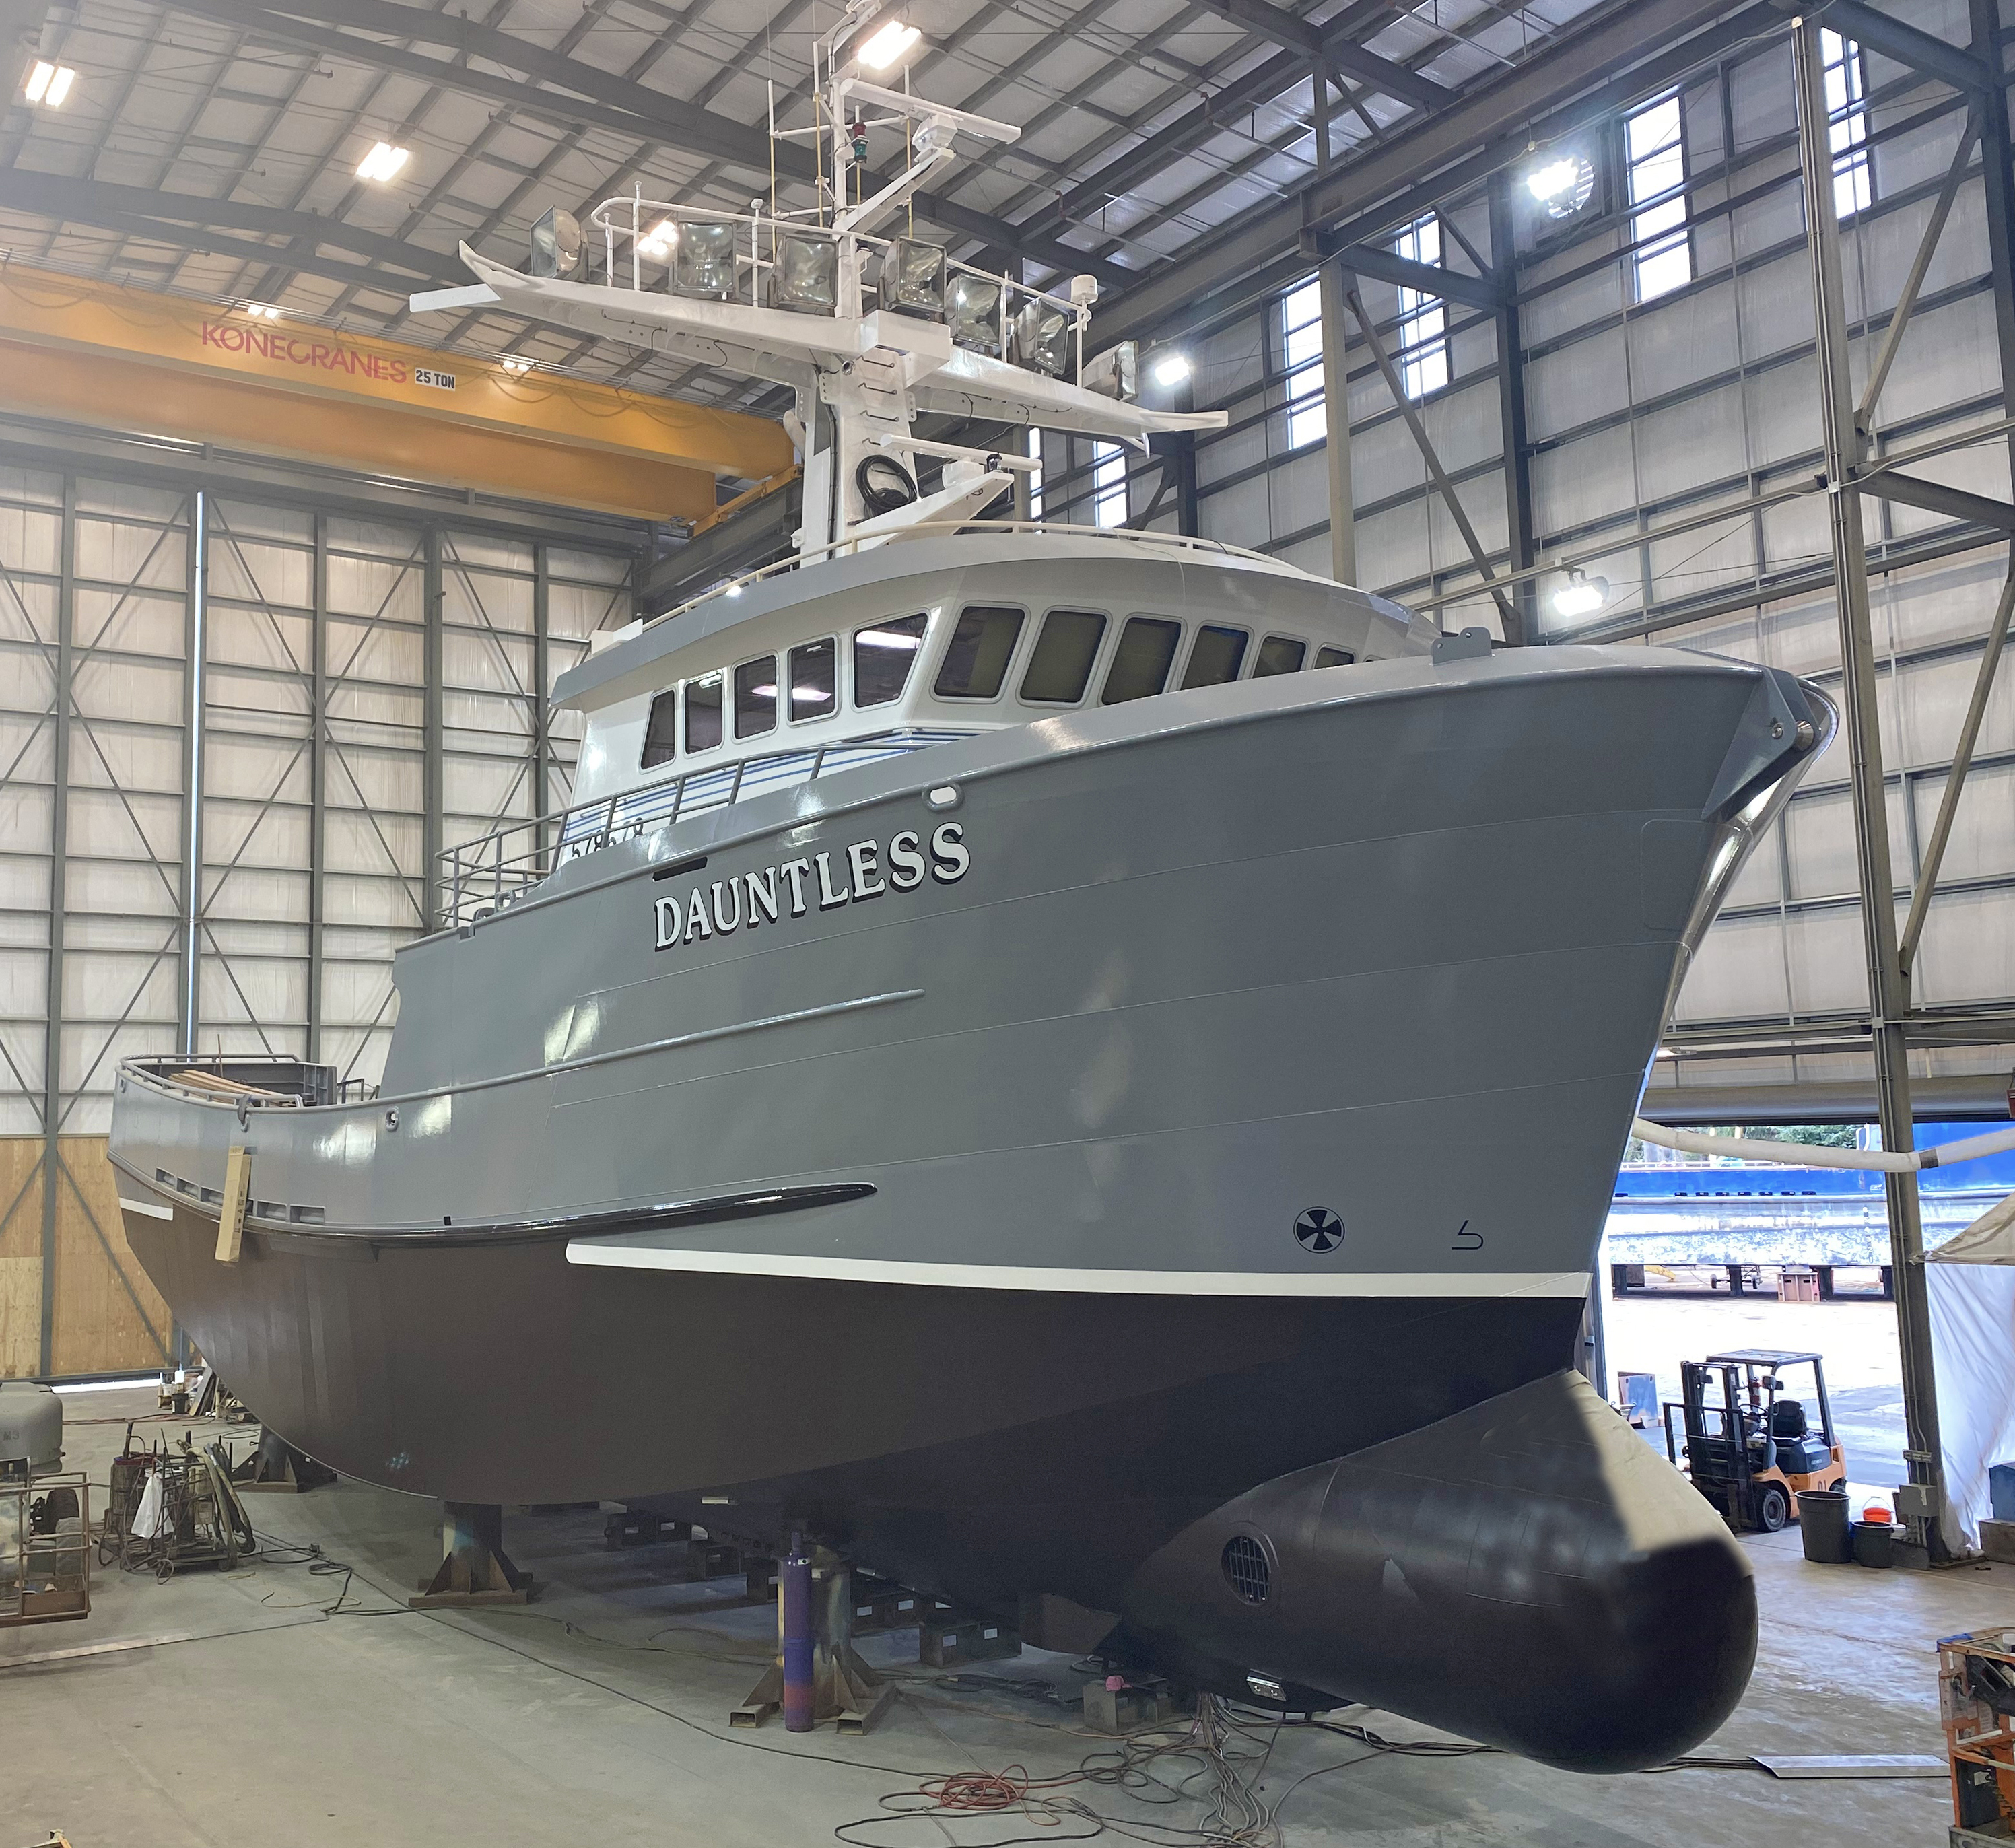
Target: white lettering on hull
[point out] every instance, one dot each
(864, 872)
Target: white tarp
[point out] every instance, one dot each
(1971, 1284)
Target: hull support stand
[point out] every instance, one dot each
(474, 1569)
(844, 1688)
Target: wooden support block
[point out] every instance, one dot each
(237, 1190)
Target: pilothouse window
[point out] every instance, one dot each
(755, 698)
(813, 693)
(1335, 658)
(1215, 656)
(1141, 663)
(1060, 670)
(703, 730)
(1279, 654)
(976, 662)
(658, 734)
(883, 657)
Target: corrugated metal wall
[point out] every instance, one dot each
(1640, 415)
(367, 692)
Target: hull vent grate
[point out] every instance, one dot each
(1246, 1568)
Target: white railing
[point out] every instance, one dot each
(938, 528)
(641, 239)
(496, 870)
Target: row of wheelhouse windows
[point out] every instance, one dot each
(975, 666)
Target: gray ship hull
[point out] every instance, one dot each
(1133, 1109)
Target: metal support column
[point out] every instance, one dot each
(542, 724)
(1336, 286)
(1991, 115)
(1923, 1510)
(195, 645)
(317, 783)
(59, 866)
(432, 777)
(1511, 407)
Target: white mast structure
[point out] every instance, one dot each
(786, 297)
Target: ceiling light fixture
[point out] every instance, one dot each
(892, 42)
(657, 241)
(1580, 596)
(516, 364)
(383, 162)
(49, 84)
(1171, 369)
(262, 311)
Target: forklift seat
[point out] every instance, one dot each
(1799, 1453)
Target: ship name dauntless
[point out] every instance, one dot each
(846, 876)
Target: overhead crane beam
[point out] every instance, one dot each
(113, 358)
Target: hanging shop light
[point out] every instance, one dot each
(382, 163)
(49, 84)
(1580, 596)
(972, 312)
(516, 364)
(703, 264)
(913, 278)
(1170, 370)
(659, 242)
(805, 275)
(1042, 338)
(889, 43)
(1563, 183)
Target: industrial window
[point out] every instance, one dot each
(1279, 654)
(976, 662)
(1301, 359)
(658, 732)
(1060, 670)
(1334, 658)
(1141, 663)
(813, 694)
(1423, 342)
(883, 657)
(1035, 474)
(1109, 484)
(1215, 656)
(1655, 145)
(1847, 123)
(703, 713)
(755, 698)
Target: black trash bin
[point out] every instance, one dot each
(1823, 1526)
(1875, 1542)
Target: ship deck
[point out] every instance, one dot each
(250, 1708)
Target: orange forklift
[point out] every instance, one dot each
(1748, 1446)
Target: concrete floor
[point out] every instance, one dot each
(252, 1720)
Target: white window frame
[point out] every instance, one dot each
(1422, 345)
(1302, 364)
(1846, 79)
(1109, 484)
(1654, 155)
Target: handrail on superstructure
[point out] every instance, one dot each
(932, 528)
(481, 877)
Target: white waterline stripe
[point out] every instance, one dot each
(615, 1253)
(146, 1207)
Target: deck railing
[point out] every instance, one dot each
(483, 877)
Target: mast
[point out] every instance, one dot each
(866, 330)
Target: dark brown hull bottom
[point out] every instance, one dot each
(987, 1441)
(1452, 1527)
